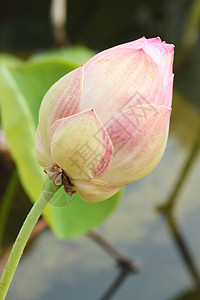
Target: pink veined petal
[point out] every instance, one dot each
(42, 152)
(139, 136)
(119, 79)
(94, 190)
(163, 54)
(169, 91)
(137, 44)
(154, 40)
(81, 146)
(62, 100)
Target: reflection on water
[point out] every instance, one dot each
(80, 269)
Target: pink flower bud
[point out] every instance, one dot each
(106, 123)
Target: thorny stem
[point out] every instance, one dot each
(23, 237)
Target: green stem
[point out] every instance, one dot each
(6, 204)
(23, 237)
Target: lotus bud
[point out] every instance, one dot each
(106, 123)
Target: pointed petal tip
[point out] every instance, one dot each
(140, 151)
(81, 146)
(61, 100)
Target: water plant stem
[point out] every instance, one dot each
(114, 287)
(123, 262)
(23, 237)
(168, 206)
(168, 211)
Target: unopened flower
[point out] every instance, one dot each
(106, 123)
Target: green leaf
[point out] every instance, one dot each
(34, 78)
(22, 87)
(9, 59)
(18, 125)
(75, 54)
(78, 216)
